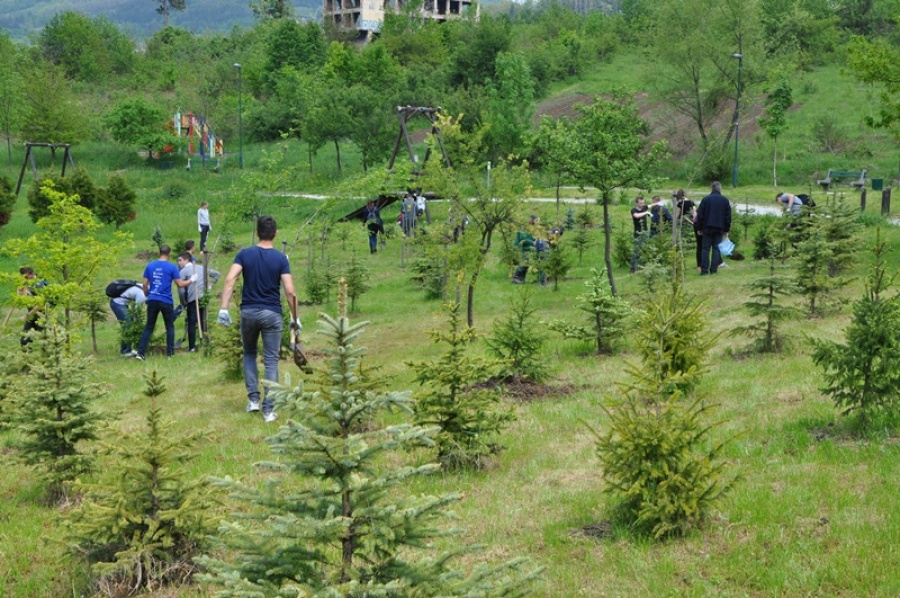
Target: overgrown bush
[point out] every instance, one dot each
(827, 134)
(116, 203)
(7, 200)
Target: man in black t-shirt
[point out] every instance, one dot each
(265, 270)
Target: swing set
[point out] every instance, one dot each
(29, 158)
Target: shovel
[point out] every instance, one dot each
(298, 352)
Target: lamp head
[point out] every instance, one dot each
(237, 65)
(737, 55)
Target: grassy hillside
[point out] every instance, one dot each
(814, 510)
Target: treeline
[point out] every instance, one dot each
(308, 82)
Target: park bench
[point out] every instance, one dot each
(855, 178)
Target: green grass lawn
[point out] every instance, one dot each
(814, 511)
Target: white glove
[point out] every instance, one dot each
(194, 277)
(296, 325)
(224, 318)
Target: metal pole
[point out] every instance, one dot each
(737, 122)
(240, 70)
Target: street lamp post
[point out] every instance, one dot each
(737, 122)
(237, 65)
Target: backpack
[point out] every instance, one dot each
(119, 286)
(807, 200)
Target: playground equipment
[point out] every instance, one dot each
(29, 157)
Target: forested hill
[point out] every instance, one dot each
(19, 18)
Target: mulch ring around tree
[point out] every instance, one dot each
(598, 531)
(527, 390)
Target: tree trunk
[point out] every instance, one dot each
(775, 162)
(470, 300)
(337, 153)
(607, 248)
(558, 183)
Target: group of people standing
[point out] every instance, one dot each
(710, 222)
(264, 270)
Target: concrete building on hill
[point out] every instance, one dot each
(367, 16)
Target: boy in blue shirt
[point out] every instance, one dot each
(158, 278)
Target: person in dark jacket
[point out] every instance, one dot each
(714, 220)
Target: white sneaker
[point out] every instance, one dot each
(252, 406)
(270, 417)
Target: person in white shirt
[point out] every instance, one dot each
(203, 223)
(119, 306)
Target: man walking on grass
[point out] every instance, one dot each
(714, 222)
(158, 278)
(265, 270)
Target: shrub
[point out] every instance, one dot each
(456, 399)
(518, 339)
(7, 200)
(116, 203)
(862, 374)
(142, 526)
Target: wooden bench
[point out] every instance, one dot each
(855, 178)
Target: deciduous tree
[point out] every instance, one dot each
(610, 151)
(141, 124)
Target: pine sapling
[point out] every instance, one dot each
(768, 293)
(456, 397)
(862, 374)
(53, 410)
(357, 279)
(656, 450)
(813, 258)
(606, 315)
(338, 518)
(517, 341)
(143, 524)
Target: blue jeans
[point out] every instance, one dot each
(154, 308)
(121, 313)
(253, 323)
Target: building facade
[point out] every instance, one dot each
(367, 16)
